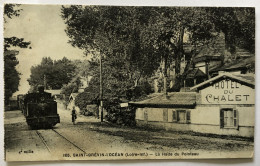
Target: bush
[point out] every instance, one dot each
(139, 91)
(91, 110)
(121, 116)
(84, 99)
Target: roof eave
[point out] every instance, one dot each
(215, 79)
(160, 105)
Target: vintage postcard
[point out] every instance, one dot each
(128, 82)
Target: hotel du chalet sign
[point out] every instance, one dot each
(228, 91)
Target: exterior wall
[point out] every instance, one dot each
(205, 116)
(209, 129)
(204, 119)
(246, 116)
(139, 114)
(150, 114)
(155, 114)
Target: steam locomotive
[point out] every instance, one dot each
(40, 109)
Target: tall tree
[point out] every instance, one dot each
(115, 34)
(172, 27)
(145, 36)
(111, 31)
(52, 74)
(166, 30)
(11, 75)
(238, 25)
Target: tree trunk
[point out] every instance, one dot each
(179, 55)
(230, 43)
(165, 75)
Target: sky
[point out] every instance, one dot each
(43, 26)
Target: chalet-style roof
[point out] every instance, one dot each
(243, 79)
(193, 73)
(250, 78)
(236, 64)
(173, 100)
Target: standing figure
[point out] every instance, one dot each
(74, 115)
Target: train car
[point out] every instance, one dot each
(20, 104)
(12, 104)
(40, 110)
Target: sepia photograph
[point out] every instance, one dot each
(100, 82)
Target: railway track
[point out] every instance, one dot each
(61, 136)
(43, 141)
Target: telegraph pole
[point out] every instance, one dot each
(101, 89)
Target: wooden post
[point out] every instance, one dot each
(184, 84)
(207, 69)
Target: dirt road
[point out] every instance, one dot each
(90, 139)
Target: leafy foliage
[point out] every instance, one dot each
(15, 42)
(121, 116)
(71, 87)
(11, 75)
(135, 41)
(82, 70)
(84, 99)
(238, 25)
(56, 73)
(112, 33)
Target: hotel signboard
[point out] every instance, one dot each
(228, 91)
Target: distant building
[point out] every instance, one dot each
(194, 77)
(244, 65)
(84, 81)
(208, 61)
(72, 101)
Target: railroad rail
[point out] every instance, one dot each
(55, 131)
(68, 141)
(43, 141)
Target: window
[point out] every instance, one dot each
(181, 116)
(228, 118)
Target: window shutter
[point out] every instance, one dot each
(174, 116)
(188, 115)
(221, 118)
(235, 119)
(165, 115)
(178, 116)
